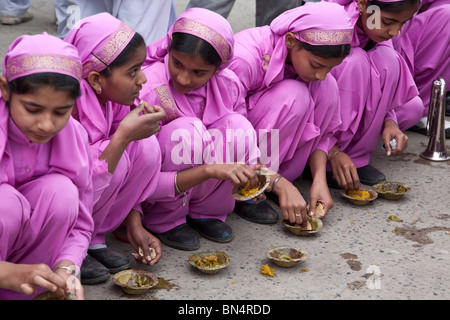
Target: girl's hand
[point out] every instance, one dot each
(391, 131)
(140, 238)
(238, 173)
(292, 204)
(73, 284)
(320, 192)
(141, 122)
(25, 278)
(344, 171)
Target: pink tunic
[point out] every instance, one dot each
(99, 40)
(424, 43)
(135, 176)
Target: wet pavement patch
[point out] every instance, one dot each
(420, 236)
(354, 264)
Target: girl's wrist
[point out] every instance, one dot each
(330, 157)
(275, 183)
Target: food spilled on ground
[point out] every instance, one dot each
(265, 269)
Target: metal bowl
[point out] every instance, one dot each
(391, 190)
(264, 181)
(298, 230)
(197, 261)
(131, 281)
(285, 256)
(361, 202)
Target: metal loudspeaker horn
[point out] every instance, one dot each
(436, 149)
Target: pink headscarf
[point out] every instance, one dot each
(37, 54)
(318, 23)
(351, 6)
(99, 39)
(219, 95)
(203, 23)
(45, 54)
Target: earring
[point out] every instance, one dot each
(99, 91)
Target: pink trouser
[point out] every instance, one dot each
(134, 179)
(371, 86)
(212, 198)
(288, 110)
(35, 220)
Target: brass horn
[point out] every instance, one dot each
(436, 149)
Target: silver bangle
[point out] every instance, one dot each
(275, 181)
(178, 190)
(176, 185)
(332, 156)
(68, 269)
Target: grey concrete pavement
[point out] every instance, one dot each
(359, 254)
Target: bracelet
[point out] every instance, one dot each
(275, 181)
(332, 156)
(178, 190)
(68, 269)
(176, 186)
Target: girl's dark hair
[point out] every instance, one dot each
(192, 45)
(135, 43)
(396, 6)
(335, 51)
(58, 81)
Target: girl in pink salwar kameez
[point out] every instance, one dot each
(378, 94)
(45, 170)
(202, 136)
(284, 68)
(424, 43)
(127, 156)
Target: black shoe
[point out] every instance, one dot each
(369, 175)
(273, 196)
(261, 212)
(212, 229)
(182, 237)
(92, 271)
(331, 181)
(423, 131)
(416, 128)
(112, 260)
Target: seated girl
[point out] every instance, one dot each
(285, 69)
(378, 93)
(126, 155)
(205, 140)
(45, 170)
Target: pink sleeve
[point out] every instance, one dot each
(166, 186)
(76, 245)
